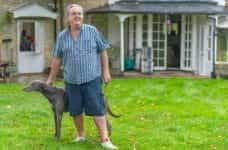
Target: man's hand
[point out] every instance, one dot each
(49, 82)
(106, 77)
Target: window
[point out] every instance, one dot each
(27, 37)
(188, 42)
(222, 49)
(158, 40)
(145, 31)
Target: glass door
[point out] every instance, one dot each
(186, 50)
(159, 38)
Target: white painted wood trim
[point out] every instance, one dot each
(122, 45)
(139, 31)
(221, 62)
(166, 42)
(150, 30)
(194, 43)
(33, 10)
(182, 41)
(131, 31)
(18, 41)
(216, 46)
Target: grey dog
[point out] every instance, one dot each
(59, 103)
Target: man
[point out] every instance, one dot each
(81, 49)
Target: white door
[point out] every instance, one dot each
(187, 43)
(159, 38)
(201, 49)
(30, 46)
(206, 48)
(209, 49)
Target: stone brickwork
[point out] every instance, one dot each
(221, 70)
(49, 41)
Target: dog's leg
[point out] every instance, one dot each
(59, 119)
(55, 119)
(109, 127)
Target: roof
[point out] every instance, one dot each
(161, 6)
(225, 10)
(32, 10)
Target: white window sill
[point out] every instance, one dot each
(30, 53)
(222, 62)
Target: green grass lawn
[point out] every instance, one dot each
(174, 113)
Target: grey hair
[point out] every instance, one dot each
(71, 6)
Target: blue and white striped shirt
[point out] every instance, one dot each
(81, 56)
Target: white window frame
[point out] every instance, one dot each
(38, 35)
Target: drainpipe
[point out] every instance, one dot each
(213, 74)
(61, 13)
(55, 21)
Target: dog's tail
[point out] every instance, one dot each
(109, 110)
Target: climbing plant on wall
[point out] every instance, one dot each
(5, 19)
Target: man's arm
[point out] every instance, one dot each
(55, 65)
(105, 67)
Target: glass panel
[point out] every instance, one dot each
(155, 18)
(155, 53)
(189, 63)
(186, 36)
(155, 27)
(145, 18)
(161, 27)
(27, 38)
(210, 30)
(185, 63)
(186, 44)
(155, 36)
(155, 44)
(145, 35)
(189, 54)
(190, 36)
(162, 18)
(161, 62)
(190, 27)
(185, 54)
(209, 55)
(186, 19)
(162, 36)
(161, 54)
(144, 43)
(190, 45)
(155, 62)
(209, 43)
(145, 27)
(161, 45)
(190, 19)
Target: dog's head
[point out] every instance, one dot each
(35, 86)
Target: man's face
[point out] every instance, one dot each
(75, 16)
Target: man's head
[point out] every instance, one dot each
(75, 15)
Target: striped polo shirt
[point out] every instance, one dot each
(81, 56)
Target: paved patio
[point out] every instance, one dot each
(26, 78)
